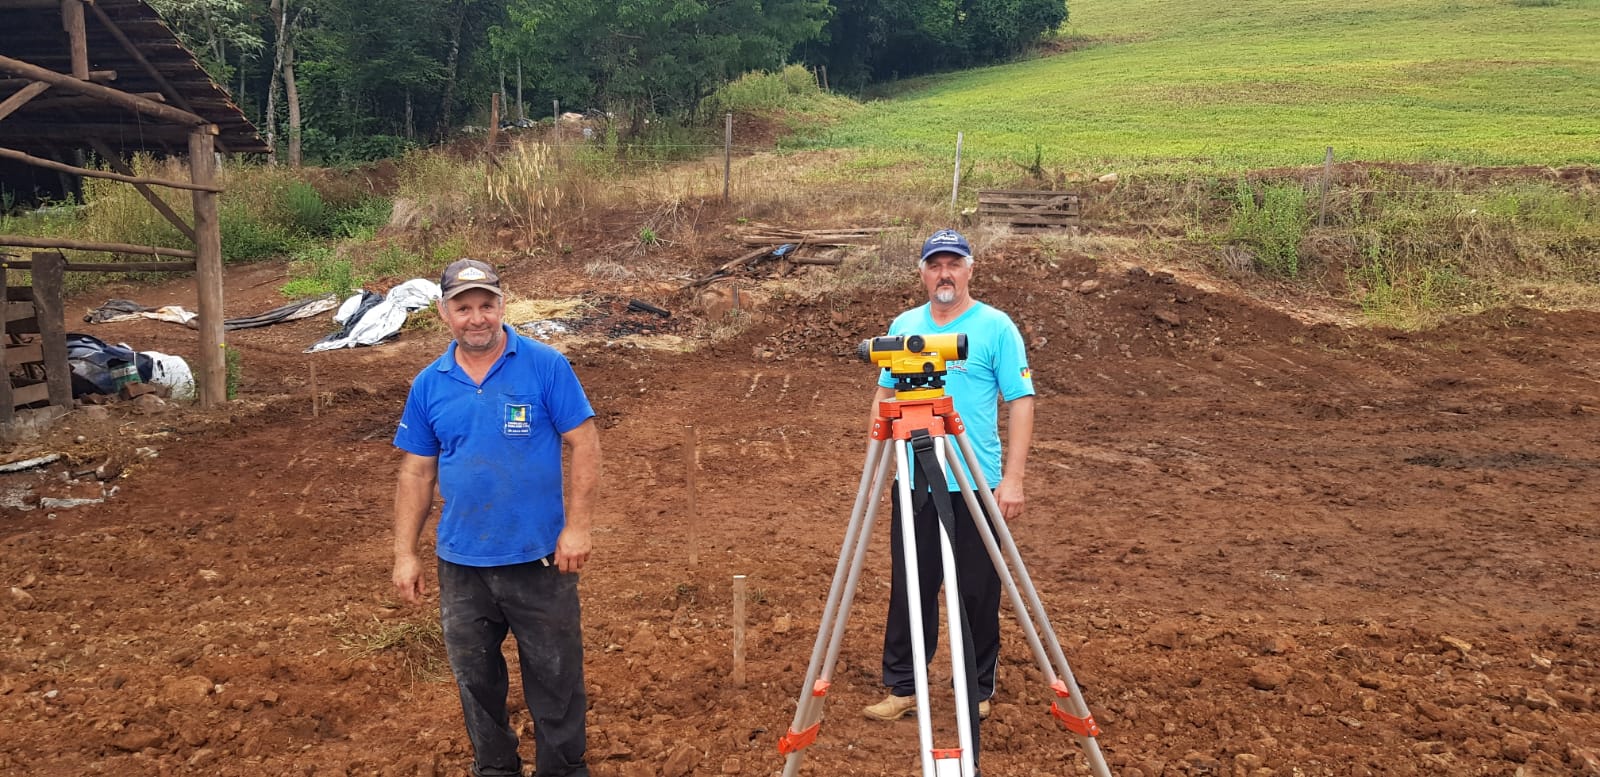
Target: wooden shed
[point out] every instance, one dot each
(108, 78)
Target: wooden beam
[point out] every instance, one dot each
(208, 268)
(77, 39)
(21, 98)
(106, 93)
(21, 129)
(109, 266)
(62, 167)
(28, 241)
(96, 76)
(138, 56)
(50, 305)
(115, 160)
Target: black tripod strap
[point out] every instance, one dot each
(928, 481)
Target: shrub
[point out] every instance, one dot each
(1273, 226)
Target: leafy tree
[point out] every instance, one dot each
(213, 29)
(644, 57)
(878, 40)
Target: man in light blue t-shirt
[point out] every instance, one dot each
(995, 371)
(485, 423)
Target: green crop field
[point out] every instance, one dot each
(1235, 84)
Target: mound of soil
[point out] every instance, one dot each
(1268, 547)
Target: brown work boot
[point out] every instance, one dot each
(891, 708)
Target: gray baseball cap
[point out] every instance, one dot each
(463, 274)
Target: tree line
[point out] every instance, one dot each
(358, 79)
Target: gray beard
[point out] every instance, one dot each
(945, 295)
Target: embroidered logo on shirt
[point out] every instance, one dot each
(517, 421)
(1027, 374)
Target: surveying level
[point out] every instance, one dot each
(927, 434)
(917, 362)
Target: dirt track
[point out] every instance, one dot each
(1269, 549)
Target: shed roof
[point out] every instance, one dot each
(32, 31)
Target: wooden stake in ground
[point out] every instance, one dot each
(316, 399)
(738, 632)
(1327, 171)
(688, 478)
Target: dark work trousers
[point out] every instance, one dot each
(539, 605)
(980, 597)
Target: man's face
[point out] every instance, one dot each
(473, 317)
(946, 276)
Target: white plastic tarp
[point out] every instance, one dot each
(383, 320)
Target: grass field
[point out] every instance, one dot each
(1225, 85)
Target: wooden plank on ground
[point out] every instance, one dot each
(1029, 209)
(1053, 219)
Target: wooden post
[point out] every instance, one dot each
(693, 513)
(208, 268)
(494, 122)
(727, 154)
(49, 309)
(738, 676)
(1327, 171)
(825, 78)
(522, 113)
(8, 405)
(77, 39)
(955, 186)
(555, 131)
(316, 395)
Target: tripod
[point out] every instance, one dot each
(918, 425)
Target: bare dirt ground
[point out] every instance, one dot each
(1268, 548)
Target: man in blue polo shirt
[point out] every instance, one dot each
(485, 424)
(995, 371)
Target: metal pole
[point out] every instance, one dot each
(727, 154)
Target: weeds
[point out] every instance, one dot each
(1273, 225)
(417, 642)
(233, 367)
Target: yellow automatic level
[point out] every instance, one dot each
(917, 362)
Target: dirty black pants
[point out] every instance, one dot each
(980, 597)
(539, 605)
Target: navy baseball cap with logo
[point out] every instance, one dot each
(946, 241)
(463, 274)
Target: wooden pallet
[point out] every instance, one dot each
(1029, 210)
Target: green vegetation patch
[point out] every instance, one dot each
(1239, 85)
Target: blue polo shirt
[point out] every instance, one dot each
(499, 449)
(996, 368)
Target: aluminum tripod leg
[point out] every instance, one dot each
(841, 593)
(932, 766)
(1076, 718)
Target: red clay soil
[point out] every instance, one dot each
(1268, 549)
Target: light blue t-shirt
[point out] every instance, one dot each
(996, 368)
(499, 449)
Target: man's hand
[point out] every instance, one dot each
(408, 579)
(1009, 497)
(572, 549)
